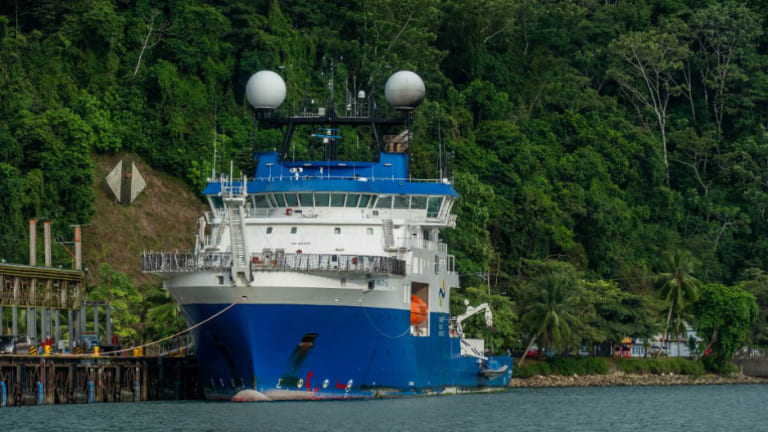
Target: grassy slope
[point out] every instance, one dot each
(163, 217)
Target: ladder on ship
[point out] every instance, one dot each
(389, 237)
(240, 267)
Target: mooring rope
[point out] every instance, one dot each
(380, 331)
(187, 330)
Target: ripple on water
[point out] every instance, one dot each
(614, 409)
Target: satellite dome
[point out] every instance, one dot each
(265, 90)
(404, 90)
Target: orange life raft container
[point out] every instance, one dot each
(418, 310)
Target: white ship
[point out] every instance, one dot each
(329, 276)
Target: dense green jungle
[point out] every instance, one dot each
(611, 155)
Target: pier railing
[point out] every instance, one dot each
(300, 262)
(32, 286)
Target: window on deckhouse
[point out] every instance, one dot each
(433, 206)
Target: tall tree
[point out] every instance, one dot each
(757, 285)
(678, 286)
(724, 33)
(646, 67)
(549, 307)
(724, 315)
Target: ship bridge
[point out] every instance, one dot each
(310, 188)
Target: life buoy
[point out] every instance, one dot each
(288, 212)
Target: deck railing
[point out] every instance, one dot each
(329, 263)
(185, 262)
(188, 262)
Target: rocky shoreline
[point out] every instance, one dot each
(618, 379)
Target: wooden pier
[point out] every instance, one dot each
(67, 379)
(64, 371)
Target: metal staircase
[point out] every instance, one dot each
(234, 196)
(238, 243)
(389, 237)
(240, 267)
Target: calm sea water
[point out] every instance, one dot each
(683, 408)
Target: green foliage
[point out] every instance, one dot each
(678, 286)
(679, 366)
(118, 289)
(565, 367)
(604, 135)
(162, 315)
(757, 285)
(551, 307)
(725, 315)
(618, 314)
(474, 254)
(503, 335)
(532, 369)
(580, 366)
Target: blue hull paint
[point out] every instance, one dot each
(346, 352)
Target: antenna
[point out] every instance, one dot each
(440, 147)
(215, 136)
(213, 168)
(330, 87)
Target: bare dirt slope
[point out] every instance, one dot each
(162, 218)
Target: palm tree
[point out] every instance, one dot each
(549, 308)
(678, 286)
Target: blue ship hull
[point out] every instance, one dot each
(307, 352)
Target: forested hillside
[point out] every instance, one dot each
(614, 148)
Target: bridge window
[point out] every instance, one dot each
(291, 200)
(322, 199)
(216, 202)
(306, 199)
(293, 230)
(337, 230)
(280, 200)
(352, 200)
(384, 202)
(433, 206)
(419, 202)
(260, 201)
(369, 231)
(337, 200)
(401, 202)
(364, 199)
(269, 230)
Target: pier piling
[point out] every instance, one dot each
(63, 379)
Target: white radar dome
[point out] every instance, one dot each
(265, 90)
(404, 90)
